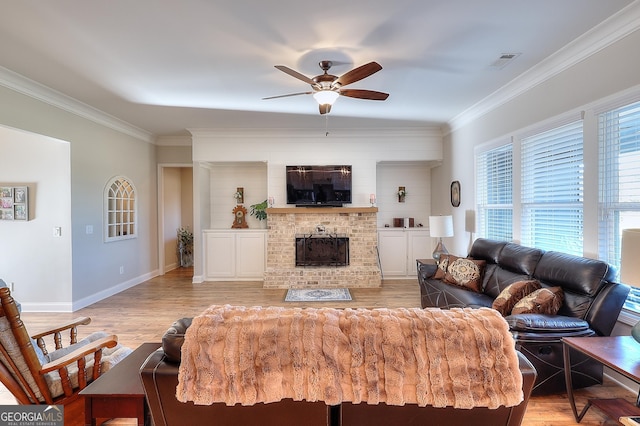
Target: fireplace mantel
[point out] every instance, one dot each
(358, 224)
(320, 210)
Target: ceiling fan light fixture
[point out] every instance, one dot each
(326, 97)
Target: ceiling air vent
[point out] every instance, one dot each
(504, 60)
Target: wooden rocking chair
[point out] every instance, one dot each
(35, 376)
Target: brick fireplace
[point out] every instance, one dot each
(358, 224)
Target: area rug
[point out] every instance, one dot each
(317, 294)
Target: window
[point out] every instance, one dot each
(552, 189)
(494, 189)
(120, 210)
(619, 135)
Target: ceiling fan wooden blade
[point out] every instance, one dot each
(286, 96)
(325, 108)
(356, 74)
(364, 94)
(296, 74)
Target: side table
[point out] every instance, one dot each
(424, 262)
(119, 391)
(619, 353)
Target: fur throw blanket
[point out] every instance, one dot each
(244, 355)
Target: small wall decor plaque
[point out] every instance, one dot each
(455, 193)
(402, 193)
(239, 195)
(14, 203)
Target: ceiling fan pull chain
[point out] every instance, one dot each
(326, 125)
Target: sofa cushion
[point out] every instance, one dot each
(488, 250)
(443, 263)
(465, 272)
(541, 301)
(511, 295)
(579, 275)
(541, 323)
(497, 279)
(519, 259)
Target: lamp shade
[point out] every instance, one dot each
(630, 259)
(470, 221)
(441, 226)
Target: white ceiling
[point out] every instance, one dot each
(166, 65)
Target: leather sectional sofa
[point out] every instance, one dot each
(159, 376)
(591, 304)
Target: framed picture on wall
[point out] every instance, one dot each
(14, 203)
(20, 212)
(20, 194)
(6, 192)
(455, 193)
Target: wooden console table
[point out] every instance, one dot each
(118, 393)
(619, 353)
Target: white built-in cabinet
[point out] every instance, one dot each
(400, 247)
(234, 254)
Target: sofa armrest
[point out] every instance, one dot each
(156, 363)
(605, 309)
(426, 270)
(173, 339)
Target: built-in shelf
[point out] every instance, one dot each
(320, 210)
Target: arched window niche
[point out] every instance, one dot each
(120, 209)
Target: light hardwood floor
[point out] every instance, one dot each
(143, 313)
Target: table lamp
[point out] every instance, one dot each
(439, 227)
(630, 266)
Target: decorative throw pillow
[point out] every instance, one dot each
(542, 301)
(442, 267)
(465, 272)
(512, 294)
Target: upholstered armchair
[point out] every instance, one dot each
(36, 376)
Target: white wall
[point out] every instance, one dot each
(610, 73)
(416, 178)
(363, 149)
(225, 179)
(186, 197)
(31, 257)
(172, 211)
(177, 210)
(97, 153)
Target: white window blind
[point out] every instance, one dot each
(494, 193)
(619, 135)
(552, 189)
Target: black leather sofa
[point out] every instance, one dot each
(159, 375)
(591, 305)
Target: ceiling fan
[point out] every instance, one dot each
(326, 88)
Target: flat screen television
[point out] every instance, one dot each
(321, 186)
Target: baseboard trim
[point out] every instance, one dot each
(621, 381)
(83, 303)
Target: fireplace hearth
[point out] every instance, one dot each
(322, 250)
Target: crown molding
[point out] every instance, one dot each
(354, 133)
(18, 83)
(174, 140)
(615, 28)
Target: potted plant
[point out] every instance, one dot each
(185, 246)
(259, 210)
